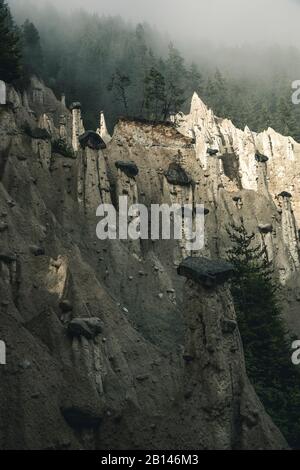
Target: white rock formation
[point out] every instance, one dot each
(37, 95)
(77, 125)
(2, 92)
(62, 128)
(289, 229)
(93, 185)
(283, 167)
(241, 165)
(102, 131)
(46, 122)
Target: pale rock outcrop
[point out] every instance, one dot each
(256, 168)
(289, 228)
(25, 101)
(266, 163)
(46, 122)
(214, 362)
(127, 187)
(282, 171)
(102, 131)
(87, 350)
(2, 92)
(62, 128)
(37, 94)
(77, 124)
(181, 188)
(13, 98)
(142, 143)
(93, 185)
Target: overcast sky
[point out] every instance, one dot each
(225, 21)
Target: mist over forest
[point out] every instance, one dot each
(149, 69)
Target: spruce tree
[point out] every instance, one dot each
(217, 94)
(10, 48)
(256, 295)
(286, 122)
(32, 50)
(155, 94)
(194, 79)
(175, 76)
(118, 85)
(141, 61)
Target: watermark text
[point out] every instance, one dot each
(160, 222)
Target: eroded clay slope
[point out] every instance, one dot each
(107, 347)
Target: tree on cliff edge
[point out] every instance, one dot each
(119, 85)
(32, 50)
(155, 94)
(10, 48)
(267, 349)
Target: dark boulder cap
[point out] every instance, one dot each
(206, 271)
(176, 175)
(75, 105)
(92, 140)
(285, 194)
(260, 158)
(129, 168)
(212, 152)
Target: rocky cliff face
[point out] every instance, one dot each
(260, 173)
(107, 346)
(237, 150)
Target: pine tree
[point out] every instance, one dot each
(32, 50)
(286, 122)
(10, 48)
(194, 79)
(175, 75)
(155, 94)
(141, 62)
(119, 85)
(217, 94)
(267, 351)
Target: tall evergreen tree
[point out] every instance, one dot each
(266, 347)
(217, 92)
(10, 48)
(119, 85)
(143, 57)
(155, 94)
(32, 50)
(175, 74)
(286, 122)
(194, 79)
